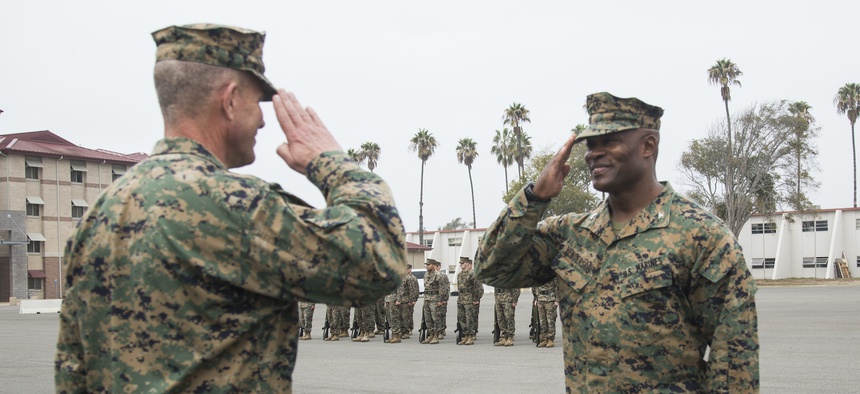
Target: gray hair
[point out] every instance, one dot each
(185, 88)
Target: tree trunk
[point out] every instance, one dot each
(730, 173)
(472, 186)
(854, 153)
(421, 208)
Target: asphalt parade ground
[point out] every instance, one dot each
(810, 339)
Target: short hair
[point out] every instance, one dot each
(184, 88)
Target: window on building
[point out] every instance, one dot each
(858, 261)
(78, 208)
(34, 206)
(812, 262)
(32, 167)
(117, 171)
(428, 242)
(816, 225)
(455, 241)
(78, 169)
(35, 242)
(34, 283)
(857, 224)
(764, 228)
(763, 262)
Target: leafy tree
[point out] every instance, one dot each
(764, 160)
(516, 115)
(355, 155)
(456, 224)
(370, 151)
(724, 74)
(804, 155)
(466, 154)
(425, 144)
(576, 196)
(503, 151)
(847, 101)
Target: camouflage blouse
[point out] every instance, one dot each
(184, 276)
(638, 307)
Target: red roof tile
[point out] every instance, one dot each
(46, 143)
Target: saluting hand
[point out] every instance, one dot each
(551, 179)
(307, 136)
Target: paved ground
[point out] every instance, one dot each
(810, 336)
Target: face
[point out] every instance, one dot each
(465, 266)
(243, 136)
(430, 267)
(615, 160)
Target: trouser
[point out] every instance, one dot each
(505, 314)
(467, 316)
(380, 315)
(306, 317)
(343, 313)
(443, 316)
(547, 312)
(392, 314)
(431, 317)
(408, 316)
(366, 317)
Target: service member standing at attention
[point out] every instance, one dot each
(185, 276)
(647, 280)
(306, 318)
(444, 296)
(432, 301)
(406, 301)
(505, 310)
(469, 292)
(546, 301)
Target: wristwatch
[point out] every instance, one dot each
(530, 194)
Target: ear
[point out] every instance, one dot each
(229, 99)
(650, 144)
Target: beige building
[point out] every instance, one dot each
(46, 185)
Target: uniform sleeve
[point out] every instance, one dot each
(445, 287)
(513, 253)
(350, 253)
(69, 365)
(723, 298)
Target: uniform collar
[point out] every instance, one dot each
(655, 215)
(185, 146)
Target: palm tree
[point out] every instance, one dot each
(355, 155)
(800, 110)
(522, 150)
(502, 149)
(424, 143)
(466, 154)
(724, 74)
(847, 102)
(516, 115)
(370, 151)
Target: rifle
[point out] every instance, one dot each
(497, 333)
(326, 327)
(422, 332)
(386, 336)
(354, 328)
(534, 333)
(459, 331)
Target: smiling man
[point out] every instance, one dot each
(647, 280)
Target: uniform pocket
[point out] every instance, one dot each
(647, 280)
(570, 272)
(329, 218)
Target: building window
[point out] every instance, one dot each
(32, 167)
(428, 242)
(78, 208)
(858, 261)
(455, 241)
(117, 171)
(813, 262)
(78, 169)
(763, 262)
(34, 283)
(34, 247)
(764, 228)
(817, 225)
(34, 206)
(857, 224)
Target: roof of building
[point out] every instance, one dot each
(411, 247)
(46, 143)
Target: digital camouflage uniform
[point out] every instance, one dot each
(407, 299)
(332, 313)
(638, 307)
(306, 317)
(469, 290)
(505, 310)
(433, 290)
(391, 311)
(184, 276)
(444, 296)
(546, 297)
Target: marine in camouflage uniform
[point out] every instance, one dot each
(444, 296)
(391, 314)
(184, 276)
(306, 318)
(647, 280)
(469, 292)
(546, 302)
(334, 316)
(505, 309)
(406, 302)
(433, 292)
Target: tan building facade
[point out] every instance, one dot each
(46, 185)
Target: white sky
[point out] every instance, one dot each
(380, 70)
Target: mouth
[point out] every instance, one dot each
(598, 169)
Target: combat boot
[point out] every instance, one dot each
(334, 337)
(428, 339)
(510, 341)
(370, 334)
(501, 342)
(405, 336)
(358, 337)
(542, 342)
(434, 340)
(463, 341)
(394, 338)
(470, 340)
(365, 337)
(306, 337)
(549, 343)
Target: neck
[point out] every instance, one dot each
(205, 132)
(627, 204)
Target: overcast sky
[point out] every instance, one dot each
(380, 70)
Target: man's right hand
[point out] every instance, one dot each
(551, 179)
(307, 136)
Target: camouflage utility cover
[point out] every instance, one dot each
(638, 307)
(609, 114)
(185, 277)
(215, 45)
